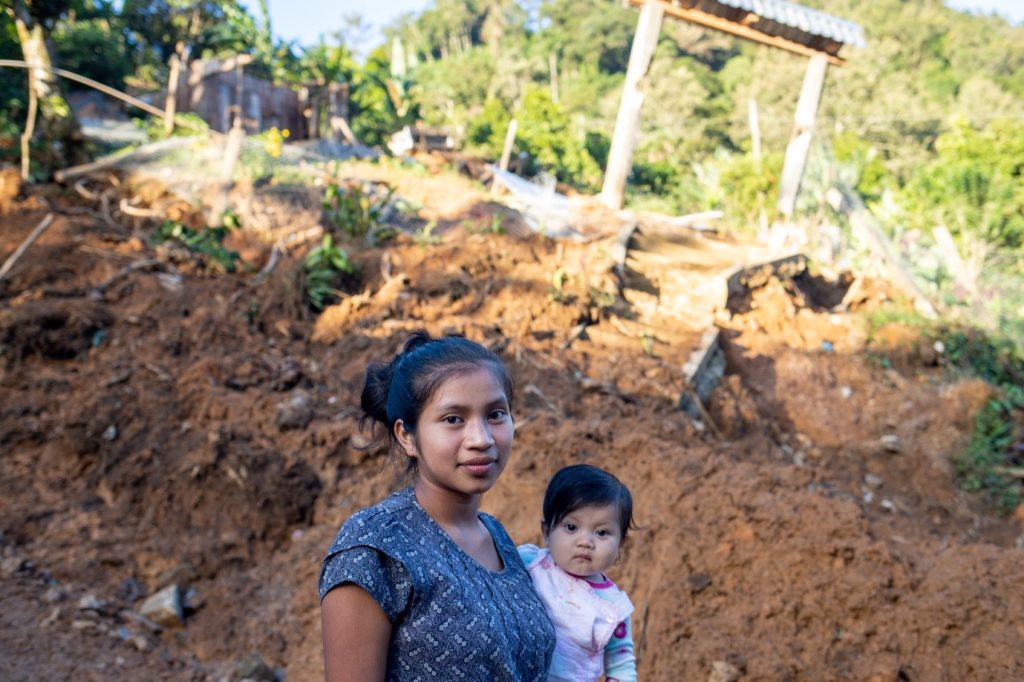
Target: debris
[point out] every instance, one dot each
(295, 413)
(140, 619)
(872, 481)
(55, 594)
(887, 505)
(164, 607)
(891, 443)
(89, 602)
(10, 566)
(698, 582)
(722, 671)
(253, 668)
(846, 392)
(34, 235)
(111, 433)
(50, 619)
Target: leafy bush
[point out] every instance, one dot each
(355, 208)
(997, 444)
(324, 267)
(975, 186)
(209, 243)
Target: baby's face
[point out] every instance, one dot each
(586, 542)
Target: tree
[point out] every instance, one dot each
(32, 19)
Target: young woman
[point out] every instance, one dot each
(423, 586)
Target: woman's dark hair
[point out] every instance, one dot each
(404, 386)
(583, 485)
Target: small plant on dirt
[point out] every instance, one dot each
(994, 460)
(324, 267)
(558, 282)
(357, 211)
(207, 243)
(426, 237)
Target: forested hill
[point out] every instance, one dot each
(924, 66)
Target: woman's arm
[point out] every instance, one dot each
(356, 633)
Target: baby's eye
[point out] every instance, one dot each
(603, 533)
(452, 419)
(571, 527)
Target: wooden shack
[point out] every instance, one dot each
(210, 89)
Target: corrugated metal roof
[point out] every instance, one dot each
(811, 21)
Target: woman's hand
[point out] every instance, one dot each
(356, 633)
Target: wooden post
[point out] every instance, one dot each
(800, 141)
(239, 91)
(30, 129)
(620, 156)
(845, 200)
(171, 103)
(510, 138)
(755, 129)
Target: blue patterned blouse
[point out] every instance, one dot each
(452, 619)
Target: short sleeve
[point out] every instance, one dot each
(384, 578)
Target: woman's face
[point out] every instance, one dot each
(464, 436)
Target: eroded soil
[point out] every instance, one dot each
(181, 427)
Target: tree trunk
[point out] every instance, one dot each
(58, 123)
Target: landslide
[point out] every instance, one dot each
(180, 427)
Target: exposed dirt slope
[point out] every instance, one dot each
(198, 430)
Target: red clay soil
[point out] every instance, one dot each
(197, 429)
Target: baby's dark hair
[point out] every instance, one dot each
(404, 386)
(583, 485)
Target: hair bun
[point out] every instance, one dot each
(374, 399)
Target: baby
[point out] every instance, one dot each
(587, 512)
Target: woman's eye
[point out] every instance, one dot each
(497, 415)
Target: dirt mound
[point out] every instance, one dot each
(203, 433)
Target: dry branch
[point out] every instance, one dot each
(34, 235)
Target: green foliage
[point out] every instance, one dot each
(976, 184)
(997, 442)
(324, 267)
(548, 136)
(93, 48)
(208, 243)
(355, 208)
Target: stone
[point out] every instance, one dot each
(698, 582)
(89, 602)
(872, 481)
(11, 565)
(164, 607)
(54, 594)
(891, 443)
(723, 671)
(296, 412)
(253, 668)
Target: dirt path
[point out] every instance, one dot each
(201, 431)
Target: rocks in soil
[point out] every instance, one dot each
(253, 668)
(296, 412)
(723, 671)
(164, 607)
(891, 443)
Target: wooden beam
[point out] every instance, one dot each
(624, 138)
(803, 128)
(741, 30)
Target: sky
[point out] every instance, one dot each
(306, 20)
